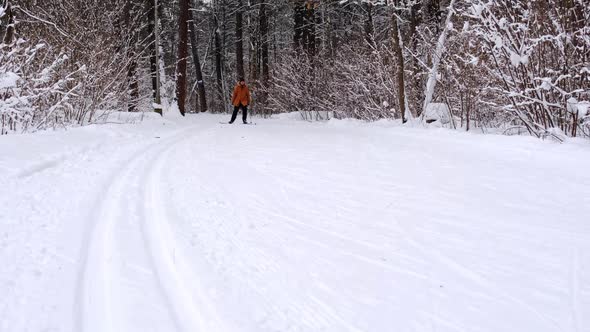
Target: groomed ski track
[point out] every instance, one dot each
(190, 225)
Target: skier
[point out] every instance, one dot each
(241, 99)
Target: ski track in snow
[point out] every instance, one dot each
(97, 297)
(291, 226)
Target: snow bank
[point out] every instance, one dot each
(292, 226)
(437, 112)
(131, 117)
(8, 80)
(581, 108)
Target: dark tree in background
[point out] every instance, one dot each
(181, 65)
(253, 41)
(239, 40)
(129, 20)
(309, 27)
(264, 53)
(298, 15)
(396, 42)
(201, 93)
(220, 104)
(7, 24)
(150, 44)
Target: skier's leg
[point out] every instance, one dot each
(245, 114)
(234, 114)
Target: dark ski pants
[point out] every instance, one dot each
(244, 113)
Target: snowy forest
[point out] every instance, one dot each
(513, 67)
(398, 165)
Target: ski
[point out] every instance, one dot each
(248, 123)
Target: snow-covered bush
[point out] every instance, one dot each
(359, 89)
(33, 93)
(69, 67)
(497, 64)
(535, 55)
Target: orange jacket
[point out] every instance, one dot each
(241, 96)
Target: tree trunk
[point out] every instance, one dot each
(254, 45)
(436, 59)
(198, 72)
(239, 41)
(264, 43)
(369, 27)
(183, 18)
(414, 65)
(129, 29)
(218, 60)
(400, 75)
(264, 54)
(299, 21)
(9, 36)
(151, 41)
(469, 109)
(309, 28)
(133, 85)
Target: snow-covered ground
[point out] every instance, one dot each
(191, 225)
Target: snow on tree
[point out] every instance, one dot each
(498, 65)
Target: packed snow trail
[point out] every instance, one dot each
(190, 225)
(106, 255)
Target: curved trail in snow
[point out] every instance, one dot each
(290, 226)
(101, 293)
(191, 309)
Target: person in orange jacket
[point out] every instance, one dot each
(241, 99)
